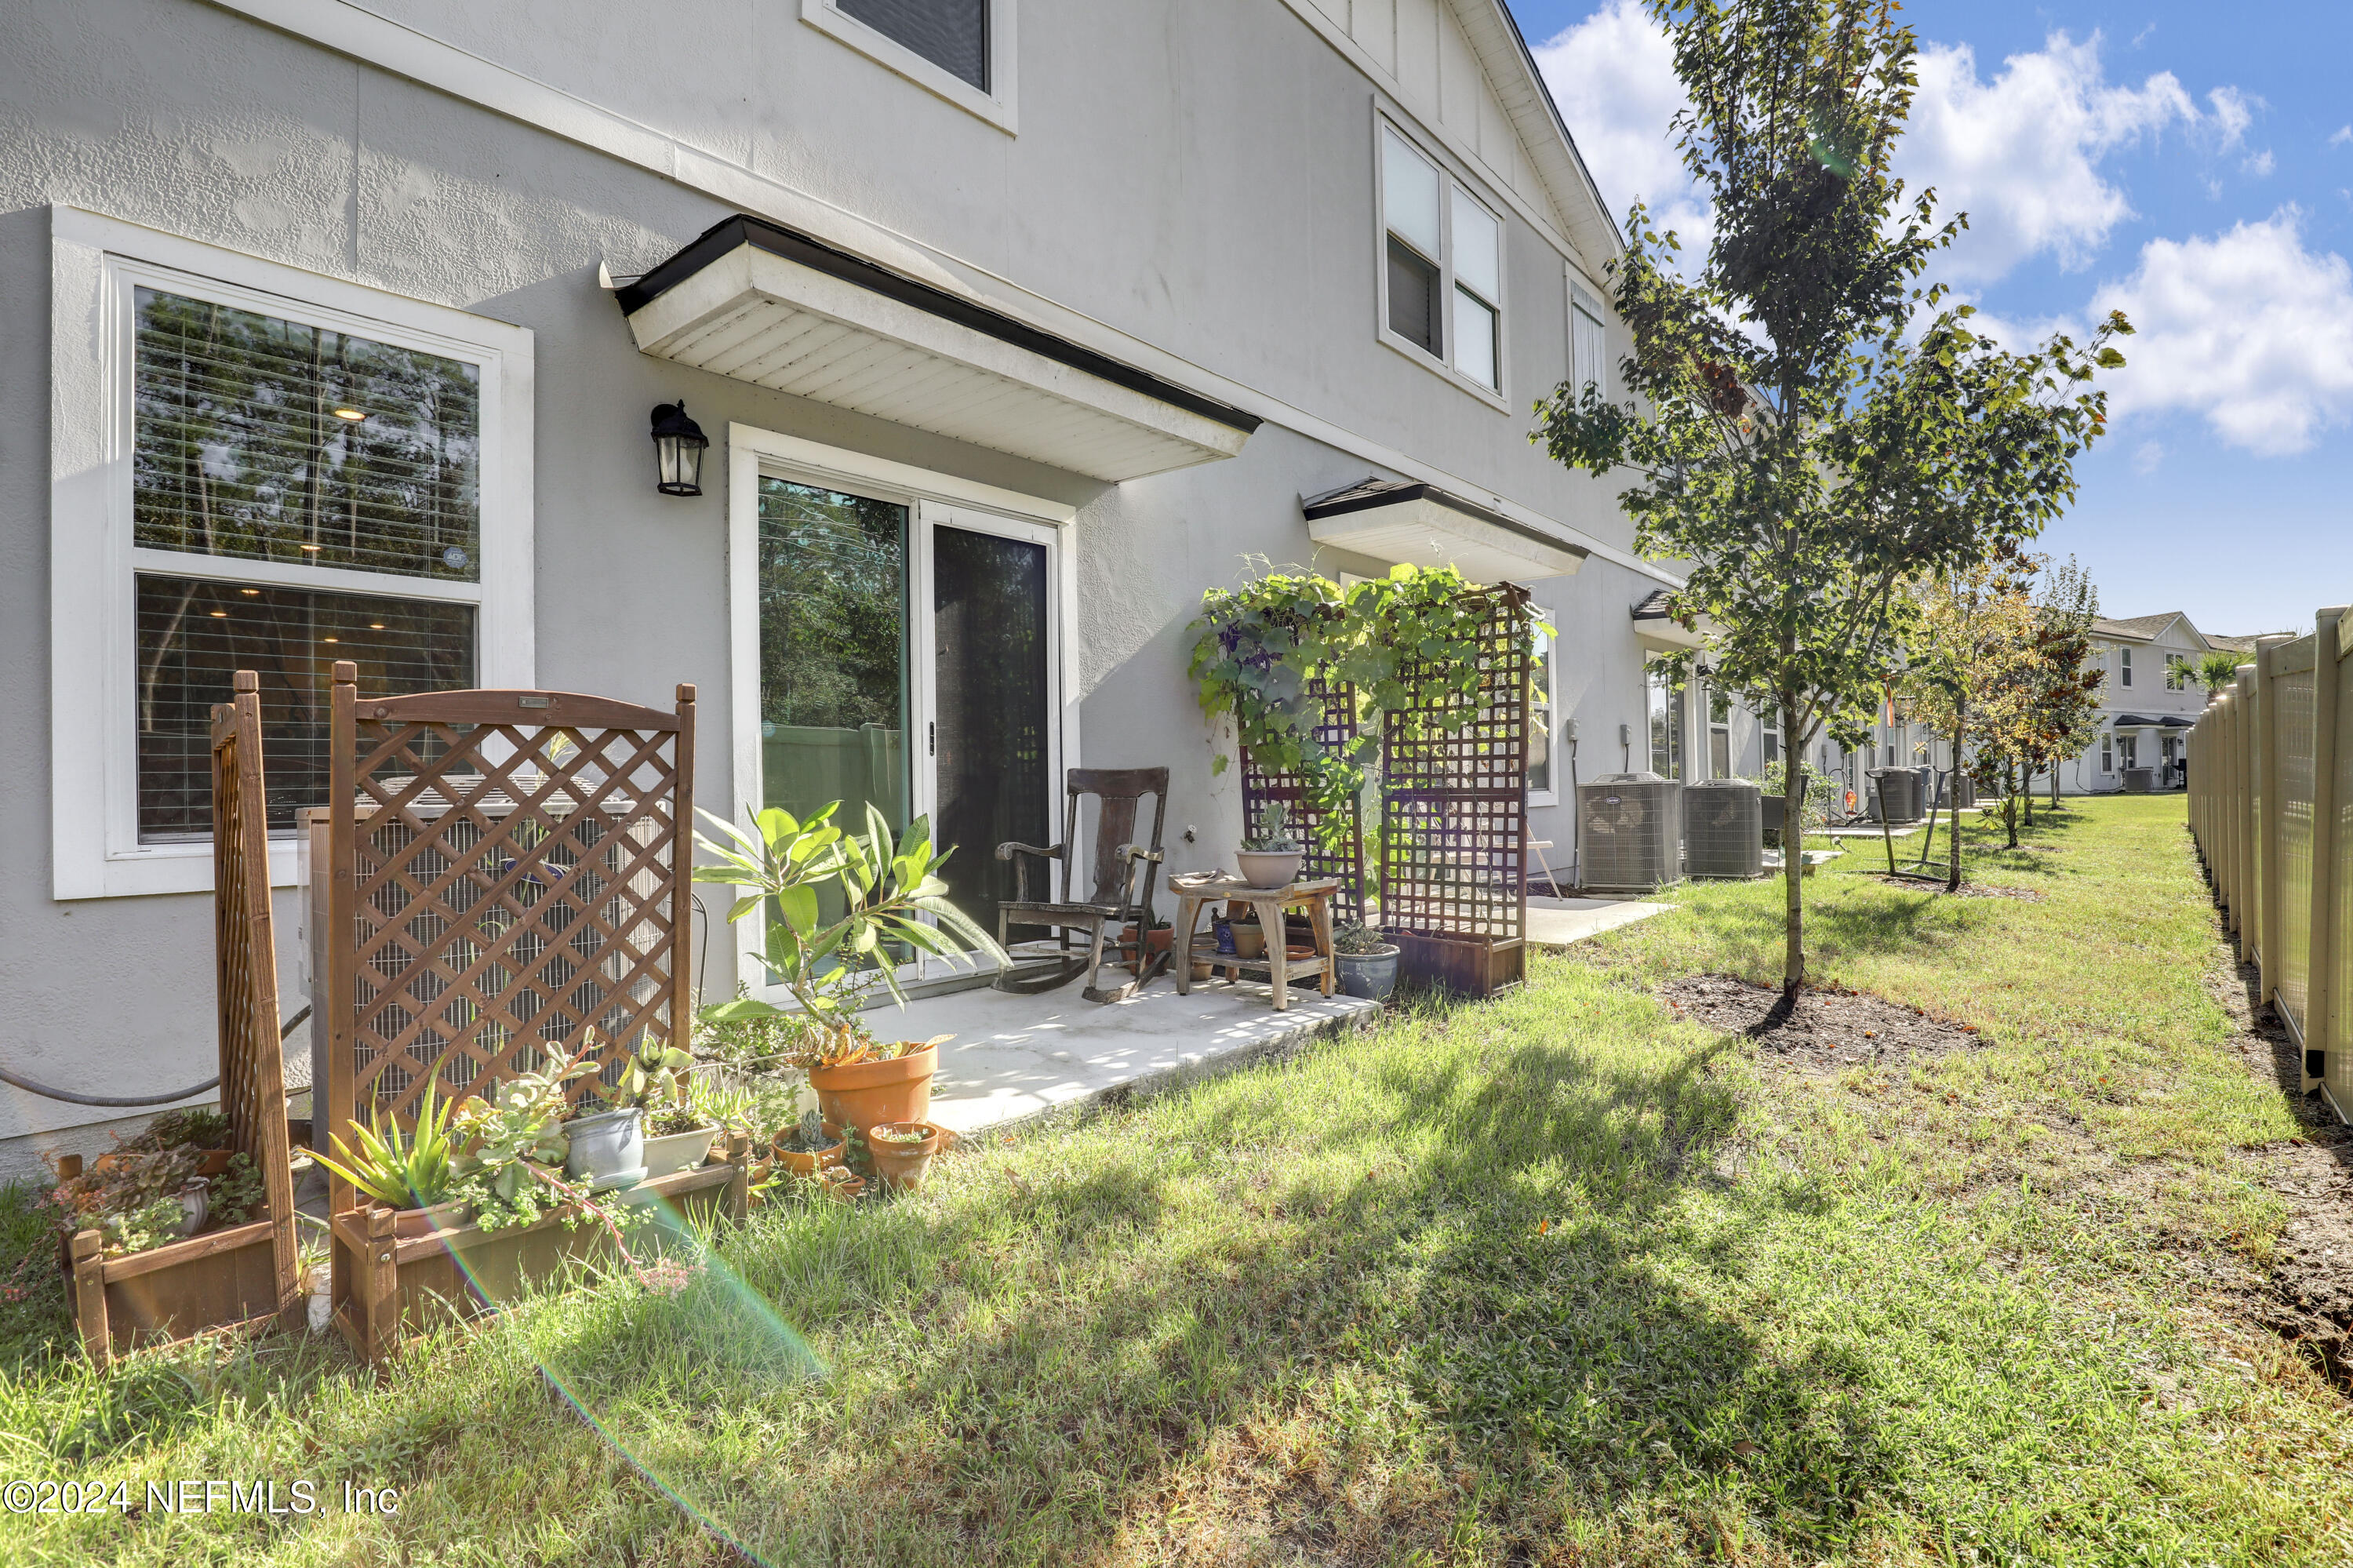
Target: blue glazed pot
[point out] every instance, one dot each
(1370, 975)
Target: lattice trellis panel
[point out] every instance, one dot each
(1337, 729)
(252, 1060)
(510, 866)
(1453, 850)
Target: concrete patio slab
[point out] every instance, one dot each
(1555, 923)
(1015, 1057)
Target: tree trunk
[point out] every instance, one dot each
(2055, 783)
(2026, 788)
(1793, 855)
(2010, 802)
(1953, 873)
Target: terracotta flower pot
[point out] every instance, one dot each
(866, 1092)
(215, 1161)
(1250, 942)
(840, 1185)
(811, 1164)
(1157, 941)
(902, 1166)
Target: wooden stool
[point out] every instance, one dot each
(1268, 903)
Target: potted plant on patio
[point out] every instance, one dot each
(1367, 961)
(807, 1147)
(409, 1171)
(901, 1152)
(1271, 857)
(677, 1136)
(829, 968)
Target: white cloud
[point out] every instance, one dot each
(2249, 329)
(2344, 136)
(2261, 164)
(2020, 154)
(2146, 459)
(1613, 76)
(2233, 113)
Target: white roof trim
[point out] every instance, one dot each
(759, 317)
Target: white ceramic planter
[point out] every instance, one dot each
(1264, 869)
(608, 1149)
(676, 1151)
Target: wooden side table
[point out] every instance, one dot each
(1268, 902)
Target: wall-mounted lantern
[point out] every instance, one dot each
(679, 442)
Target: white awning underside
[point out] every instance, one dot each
(768, 320)
(1426, 534)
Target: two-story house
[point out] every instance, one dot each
(2151, 698)
(1012, 326)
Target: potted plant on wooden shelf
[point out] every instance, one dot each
(677, 1136)
(1368, 962)
(831, 967)
(409, 1172)
(1271, 857)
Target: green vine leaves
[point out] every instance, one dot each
(1407, 644)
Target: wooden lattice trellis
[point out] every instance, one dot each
(1334, 731)
(510, 866)
(511, 869)
(246, 1272)
(1453, 849)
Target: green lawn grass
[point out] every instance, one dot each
(1558, 1278)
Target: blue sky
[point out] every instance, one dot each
(2192, 164)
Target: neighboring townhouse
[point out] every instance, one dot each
(1012, 326)
(2152, 697)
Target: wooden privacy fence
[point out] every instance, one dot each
(2271, 784)
(502, 871)
(243, 1273)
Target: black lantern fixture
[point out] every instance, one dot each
(678, 449)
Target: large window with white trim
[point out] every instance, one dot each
(1588, 340)
(251, 473)
(1442, 265)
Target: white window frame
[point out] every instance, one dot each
(2124, 666)
(2108, 752)
(1450, 180)
(931, 499)
(1547, 680)
(1586, 303)
(997, 105)
(94, 264)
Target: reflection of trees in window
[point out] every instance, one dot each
(833, 608)
(240, 450)
(1666, 702)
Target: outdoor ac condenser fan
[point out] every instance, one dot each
(1631, 832)
(1724, 829)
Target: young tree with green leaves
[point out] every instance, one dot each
(1975, 635)
(2067, 674)
(1811, 424)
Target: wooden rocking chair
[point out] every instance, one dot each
(1115, 899)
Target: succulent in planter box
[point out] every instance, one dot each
(409, 1171)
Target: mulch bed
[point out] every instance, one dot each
(1967, 889)
(1828, 1029)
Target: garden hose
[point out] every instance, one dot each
(133, 1101)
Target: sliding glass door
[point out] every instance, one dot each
(908, 659)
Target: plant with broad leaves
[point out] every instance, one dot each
(830, 966)
(400, 1170)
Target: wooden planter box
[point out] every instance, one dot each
(1474, 966)
(385, 1286)
(226, 1279)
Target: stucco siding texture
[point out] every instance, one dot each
(197, 122)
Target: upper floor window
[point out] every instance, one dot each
(961, 49)
(2124, 666)
(1588, 340)
(2176, 671)
(1442, 266)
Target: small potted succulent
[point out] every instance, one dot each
(1272, 856)
(810, 1145)
(1368, 962)
(408, 1172)
(901, 1152)
(678, 1134)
